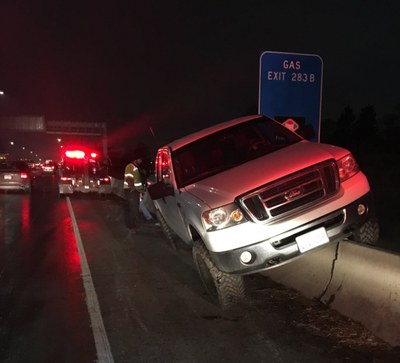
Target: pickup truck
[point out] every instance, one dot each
(249, 195)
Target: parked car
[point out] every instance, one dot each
(16, 176)
(249, 195)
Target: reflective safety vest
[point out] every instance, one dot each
(132, 171)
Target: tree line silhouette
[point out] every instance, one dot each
(364, 132)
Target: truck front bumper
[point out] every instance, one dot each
(282, 249)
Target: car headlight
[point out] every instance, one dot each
(347, 167)
(223, 217)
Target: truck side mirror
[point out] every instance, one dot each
(160, 190)
(306, 132)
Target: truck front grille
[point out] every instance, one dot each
(304, 188)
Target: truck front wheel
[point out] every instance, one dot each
(368, 233)
(224, 289)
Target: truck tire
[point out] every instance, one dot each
(224, 289)
(368, 233)
(168, 232)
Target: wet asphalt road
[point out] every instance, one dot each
(150, 299)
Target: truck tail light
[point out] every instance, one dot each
(105, 180)
(64, 178)
(24, 175)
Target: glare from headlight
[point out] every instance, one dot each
(347, 167)
(223, 217)
(218, 217)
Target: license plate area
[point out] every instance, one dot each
(313, 239)
(7, 176)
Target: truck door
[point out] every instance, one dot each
(170, 207)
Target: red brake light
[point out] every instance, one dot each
(64, 178)
(77, 154)
(93, 155)
(24, 176)
(106, 179)
(52, 167)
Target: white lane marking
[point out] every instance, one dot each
(103, 348)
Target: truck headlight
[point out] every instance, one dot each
(347, 167)
(223, 217)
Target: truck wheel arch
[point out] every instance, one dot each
(169, 234)
(224, 289)
(368, 233)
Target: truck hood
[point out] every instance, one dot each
(223, 188)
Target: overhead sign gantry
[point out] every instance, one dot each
(38, 124)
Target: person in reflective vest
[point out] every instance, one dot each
(133, 186)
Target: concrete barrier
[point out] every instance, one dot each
(117, 187)
(366, 287)
(361, 282)
(310, 274)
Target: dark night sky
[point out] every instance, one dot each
(180, 65)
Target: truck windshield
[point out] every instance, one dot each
(228, 148)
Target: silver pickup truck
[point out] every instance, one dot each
(248, 195)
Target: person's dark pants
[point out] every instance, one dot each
(131, 208)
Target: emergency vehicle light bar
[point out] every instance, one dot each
(77, 154)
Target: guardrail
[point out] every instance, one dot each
(359, 281)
